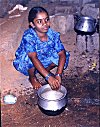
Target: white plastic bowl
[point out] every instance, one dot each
(10, 99)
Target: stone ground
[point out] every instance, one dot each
(80, 111)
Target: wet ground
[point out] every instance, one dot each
(82, 109)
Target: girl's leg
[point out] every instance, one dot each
(52, 65)
(33, 80)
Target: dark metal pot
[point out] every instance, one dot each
(52, 102)
(85, 24)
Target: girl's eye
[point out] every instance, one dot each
(39, 21)
(47, 20)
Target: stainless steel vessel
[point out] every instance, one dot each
(52, 101)
(85, 24)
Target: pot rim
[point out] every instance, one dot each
(38, 92)
(88, 18)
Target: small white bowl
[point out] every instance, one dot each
(10, 99)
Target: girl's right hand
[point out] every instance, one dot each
(53, 82)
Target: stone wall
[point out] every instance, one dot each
(6, 5)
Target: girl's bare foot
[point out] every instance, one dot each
(35, 83)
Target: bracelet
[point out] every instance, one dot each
(47, 77)
(60, 75)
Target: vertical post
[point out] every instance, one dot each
(80, 4)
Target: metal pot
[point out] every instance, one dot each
(85, 24)
(52, 102)
(98, 24)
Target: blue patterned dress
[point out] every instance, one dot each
(47, 51)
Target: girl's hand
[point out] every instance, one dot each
(53, 82)
(58, 78)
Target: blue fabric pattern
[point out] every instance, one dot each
(47, 52)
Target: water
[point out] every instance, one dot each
(52, 95)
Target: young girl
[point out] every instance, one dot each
(41, 50)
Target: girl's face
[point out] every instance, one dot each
(41, 23)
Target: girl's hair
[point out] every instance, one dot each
(34, 11)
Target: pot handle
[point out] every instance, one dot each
(76, 17)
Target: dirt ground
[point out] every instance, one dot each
(82, 109)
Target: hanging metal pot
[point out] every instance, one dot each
(85, 24)
(98, 25)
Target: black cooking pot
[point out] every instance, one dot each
(52, 113)
(52, 102)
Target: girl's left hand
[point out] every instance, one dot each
(58, 78)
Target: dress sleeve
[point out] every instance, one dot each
(58, 44)
(29, 44)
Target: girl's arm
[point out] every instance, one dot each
(62, 60)
(53, 82)
(38, 65)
